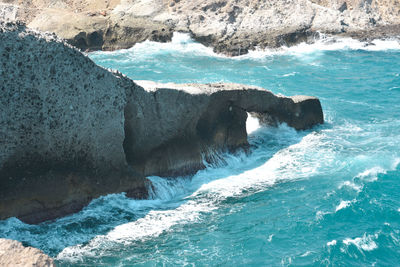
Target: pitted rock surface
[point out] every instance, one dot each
(61, 128)
(71, 131)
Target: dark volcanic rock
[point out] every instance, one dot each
(71, 131)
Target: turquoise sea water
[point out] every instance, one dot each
(326, 196)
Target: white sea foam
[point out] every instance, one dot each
(351, 185)
(343, 204)
(270, 237)
(371, 174)
(331, 243)
(307, 253)
(326, 44)
(290, 74)
(365, 243)
(287, 164)
(182, 43)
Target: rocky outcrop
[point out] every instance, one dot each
(88, 25)
(170, 128)
(14, 254)
(99, 32)
(232, 27)
(71, 131)
(61, 128)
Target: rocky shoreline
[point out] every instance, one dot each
(71, 131)
(230, 27)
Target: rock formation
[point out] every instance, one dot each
(61, 128)
(71, 131)
(230, 26)
(14, 254)
(169, 127)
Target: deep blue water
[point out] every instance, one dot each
(326, 196)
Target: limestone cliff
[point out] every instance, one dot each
(71, 131)
(230, 26)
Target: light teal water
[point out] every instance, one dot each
(327, 196)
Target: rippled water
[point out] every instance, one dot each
(326, 196)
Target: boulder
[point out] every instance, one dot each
(14, 254)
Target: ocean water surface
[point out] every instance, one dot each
(321, 197)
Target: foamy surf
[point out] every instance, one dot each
(365, 243)
(180, 43)
(285, 165)
(183, 44)
(331, 243)
(351, 185)
(304, 157)
(326, 43)
(343, 204)
(283, 211)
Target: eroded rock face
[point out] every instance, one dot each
(71, 131)
(232, 27)
(61, 128)
(13, 254)
(169, 127)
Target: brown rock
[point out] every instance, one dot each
(14, 254)
(232, 27)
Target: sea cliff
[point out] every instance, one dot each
(71, 131)
(230, 27)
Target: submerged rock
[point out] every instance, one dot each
(13, 254)
(71, 131)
